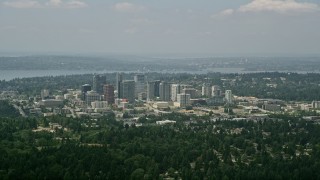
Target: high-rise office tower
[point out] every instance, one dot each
(119, 79)
(84, 89)
(164, 91)
(206, 90)
(139, 80)
(153, 89)
(92, 96)
(45, 94)
(150, 90)
(127, 90)
(228, 97)
(157, 88)
(98, 82)
(183, 99)
(216, 91)
(108, 91)
(175, 90)
(190, 91)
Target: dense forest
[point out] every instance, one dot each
(7, 110)
(281, 147)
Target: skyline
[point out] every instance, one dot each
(153, 27)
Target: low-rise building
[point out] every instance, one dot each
(165, 122)
(99, 104)
(51, 102)
(161, 105)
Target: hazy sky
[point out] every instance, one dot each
(161, 26)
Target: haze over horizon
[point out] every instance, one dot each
(256, 27)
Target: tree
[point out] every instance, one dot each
(137, 174)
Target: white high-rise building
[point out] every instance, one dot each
(45, 93)
(183, 99)
(315, 104)
(229, 97)
(175, 90)
(206, 90)
(216, 91)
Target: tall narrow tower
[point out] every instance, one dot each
(108, 91)
(119, 79)
(98, 82)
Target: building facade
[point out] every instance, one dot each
(190, 91)
(175, 90)
(228, 97)
(164, 91)
(183, 99)
(84, 89)
(119, 79)
(98, 82)
(139, 80)
(108, 91)
(92, 96)
(206, 90)
(216, 91)
(127, 90)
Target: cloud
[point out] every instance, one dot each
(24, 4)
(227, 12)
(224, 13)
(55, 3)
(279, 6)
(128, 7)
(75, 4)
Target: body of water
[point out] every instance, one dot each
(12, 74)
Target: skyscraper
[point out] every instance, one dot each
(164, 91)
(175, 90)
(190, 91)
(139, 80)
(119, 79)
(127, 90)
(98, 82)
(84, 89)
(228, 97)
(45, 94)
(153, 89)
(216, 91)
(108, 91)
(157, 88)
(150, 91)
(183, 99)
(206, 90)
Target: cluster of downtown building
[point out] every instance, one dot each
(100, 95)
(138, 89)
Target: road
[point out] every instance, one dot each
(20, 110)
